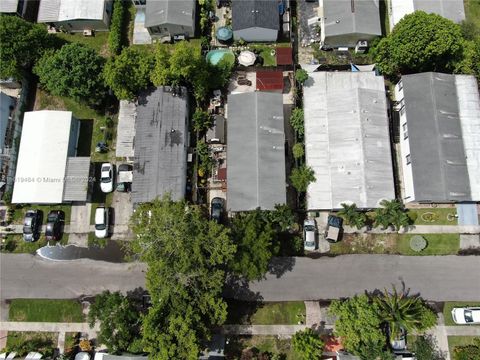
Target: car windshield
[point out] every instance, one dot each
(27, 230)
(468, 316)
(309, 228)
(310, 243)
(106, 179)
(100, 226)
(52, 218)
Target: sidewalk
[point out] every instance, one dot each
(47, 327)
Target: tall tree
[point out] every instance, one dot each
(420, 42)
(129, 73)
(352, 216)
(391, 212)
(307, 344)
(119, 320)
(186, 257)
(74, 71)
(22, 43)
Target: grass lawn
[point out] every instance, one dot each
(97, 42)
(15, 244)
(265, 51)
(472, 11)
(438, 244)
(274, 313)
(24, 342)
(94, 241)
(454, 341)
(448, 306)
(233, 349)
(45, 310)
(19, 214)
(433, 216)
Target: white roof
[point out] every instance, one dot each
(8, 6)
(42, 158)
(346, 140)
(126, 129)
(469, 112)
(64, 10)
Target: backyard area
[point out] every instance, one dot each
(272, 344)
(448, 306)
(454, 341)
(275, 313)
(97, 42)
(14, 243)
(472, 11)
(25, 342)
(45, 310)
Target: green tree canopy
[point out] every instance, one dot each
(202, 120)
(301, 177)
(253, 235)
(467, 352)
(298, 150)
(352, 216)
(296, 121)
(129, 73)
(119, 320)
(391, 212)
(22, 43)
(307, 344)
(74, 71)
(425, 348)
(420, 42)
(301, 76)
(186, 257)
(358, 324)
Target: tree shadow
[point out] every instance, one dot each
(238, 288)
(280, 265)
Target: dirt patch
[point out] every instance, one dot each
(366, 244)
(45, 101)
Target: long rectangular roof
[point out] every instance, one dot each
(160, 164)
(42, 158)
(127, 115)
(65, 10)
(351, 17)
(76, 179)
(8, 6)
(347, 140)
(450, 9)
(255, 13)
(256, 151)
(5, 103)
(178, 12)
(437, 150)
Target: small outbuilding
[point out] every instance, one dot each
(269, 81)
(170, 17)
(284, 55)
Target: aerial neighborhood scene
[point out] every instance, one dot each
(239, 179)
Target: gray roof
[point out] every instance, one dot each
(178, 12)
(347, 142)
(5, 103)
(255, 13)
(217, 131)
(8, 6)
(256, 152)
(450, 9)
(352, 17)
(126, 129)
(76, 179)
(435, 136)
(161, 133)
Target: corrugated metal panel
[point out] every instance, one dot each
(126, 129)
(65, 10)
(76, 179)
(8, 6)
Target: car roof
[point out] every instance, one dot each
(99, 215)
(475, 314)
(309, 222)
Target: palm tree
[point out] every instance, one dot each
(391, 212)
(352, 215)
(404, 313)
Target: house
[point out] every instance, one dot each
(160, 145)
(347, 141)
(76, 15)
(170, 17)
(48, 171)
(269, 81)
(439, 117)
(255, 20)
(23, 8)
(450, 9)
(256, 151)
(345, 23)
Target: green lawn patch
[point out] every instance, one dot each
(24, 342)
(454, 341)
(438, 244)
(71, 340)
(273, 344)
(266, 52)
(433, 216)
(19, 213)
(448, 306)
(14, 243)
(273, 313)
(472, 11)
(97, 42)
(45, 310)
(94, 241)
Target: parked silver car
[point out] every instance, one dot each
(309, 231)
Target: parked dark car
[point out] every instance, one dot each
(217, 209)
(124, 177)
(334, 228)
(55, 220)
(32, 225)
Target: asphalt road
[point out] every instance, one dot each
(438, 278)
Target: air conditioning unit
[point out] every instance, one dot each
(87, 32)
(361, 47)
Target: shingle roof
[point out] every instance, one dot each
(160, 145)
(256, 151)
(255, 13)
(351, 17)
(435, 136)
(179, 12)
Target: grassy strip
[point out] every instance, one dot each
(454, 341)
(24, 342)
(274, 313)
(448, 306)
(45, 310)
(438, 244)
(272, 344)
(98, 42)
(15, 244)
(433, 216)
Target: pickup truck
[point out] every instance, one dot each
(124, 177)
(334, 228)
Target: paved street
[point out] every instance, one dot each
(438, 278)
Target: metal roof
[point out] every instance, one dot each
(161, 133)
(438, 161)
(269, 80)
(351, 17)
(178, 12)
(450, 9)
(5, 103)
(42, 158)
(256, 151)
(217, 132)
(255, 13)
(126, 129)
(65, 10)
(347, 142)
(76, 179)
(284, 55)
(8, 6)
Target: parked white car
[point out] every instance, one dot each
(309, 230)
(102, 218)
(106, 178)
(466, 315)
